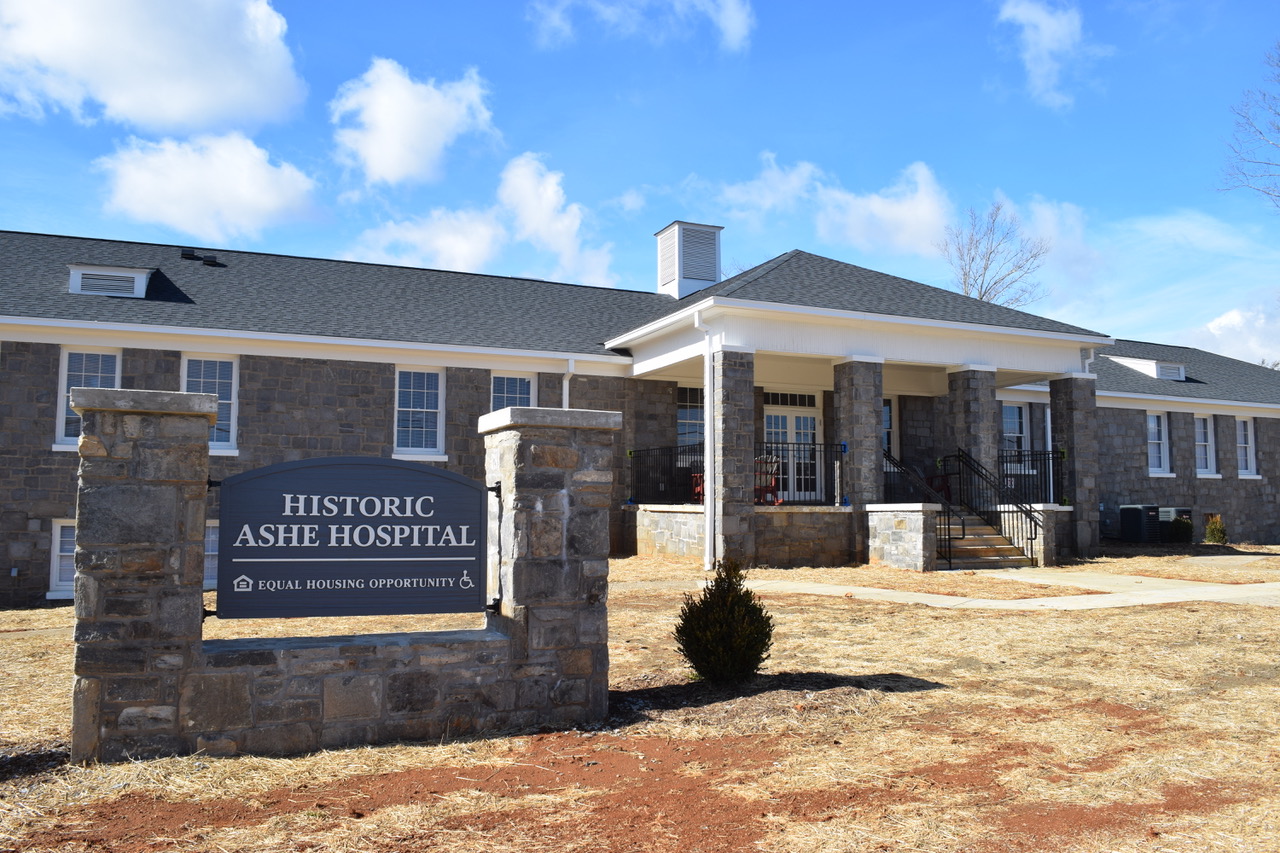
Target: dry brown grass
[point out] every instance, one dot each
(874, 727)
(1184, 562)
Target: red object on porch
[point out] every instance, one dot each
(768, 469)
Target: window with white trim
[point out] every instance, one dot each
(512, 390)
(215, 375)
(62, 559)
(83, 367)
(1014, 429)
(1206, 451)
(418, 406)
(1157, 443)
(1246, 455)
(211, 555)
(690, 416)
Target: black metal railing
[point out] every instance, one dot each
(902, 485)
(667, 475)
(785, 473)
(1032, 475)
(798, 473)
(986, 496)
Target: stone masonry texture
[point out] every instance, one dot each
(147, 685)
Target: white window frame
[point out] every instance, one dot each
(421, 454)
(1024, 418)
(59, 589)
(699, 421)
(1162, 443)
(1247, 450)
(1209, 470)
(211, 538)
(61, 441)
(531, 378)
(220, 448)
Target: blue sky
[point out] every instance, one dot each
(552, 138)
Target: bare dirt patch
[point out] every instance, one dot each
(875, 727)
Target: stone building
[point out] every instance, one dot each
(828, 393)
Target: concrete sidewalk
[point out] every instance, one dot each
(1114, 590)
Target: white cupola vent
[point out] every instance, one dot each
(688, 258)
(109, 281)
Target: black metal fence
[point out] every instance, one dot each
(785, 473)
(1032, 476)
(667, 475)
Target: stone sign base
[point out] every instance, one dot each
(148, 685)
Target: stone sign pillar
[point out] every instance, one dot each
(140, 509)
(549, 549)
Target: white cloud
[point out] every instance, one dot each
(212, 187)
(464, 240)
(774, 189)
(154, 64)
(534, 197)
(1252, 334)
(909, 217)
(531, 208)
(631, 201)
(1049, 40)
(400, 126)
(656, 19)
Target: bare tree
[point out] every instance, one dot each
(993, 260)
(1255, 148)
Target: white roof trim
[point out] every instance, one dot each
(727, 304)
(319, 340)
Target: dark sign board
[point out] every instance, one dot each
(348, 536)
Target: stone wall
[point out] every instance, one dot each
(670, 531)
(1250, 507)
(788, 537)
(904, 536)
(36, 483)
(147, 685)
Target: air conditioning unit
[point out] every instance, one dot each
(1140, 523)
(1167, 515)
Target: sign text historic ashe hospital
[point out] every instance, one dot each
(350, 536)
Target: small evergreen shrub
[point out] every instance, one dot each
(1180, 530)
(725, 633)
(1215, 532)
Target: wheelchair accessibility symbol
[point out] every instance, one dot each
(465, 582)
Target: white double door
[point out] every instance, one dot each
(793, 435)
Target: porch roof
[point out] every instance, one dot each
(800, 278)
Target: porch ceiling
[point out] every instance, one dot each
(788, 372)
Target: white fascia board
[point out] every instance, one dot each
(45, 330)
(1195, 405)
(643, 366)
(720, 304)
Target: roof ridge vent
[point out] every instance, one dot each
(688, 258)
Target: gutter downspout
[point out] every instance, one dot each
(564, 383)
(708, 446)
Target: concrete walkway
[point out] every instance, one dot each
(1114, 590)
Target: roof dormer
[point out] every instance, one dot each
(1171, 370)
(109, 281)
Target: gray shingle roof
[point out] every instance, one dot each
(799, 278)
(255, 292)
(1209, 376)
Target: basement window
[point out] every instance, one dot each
(109, 281)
